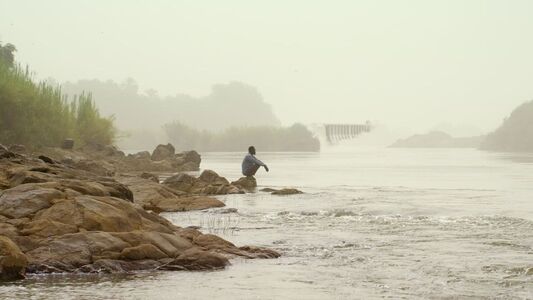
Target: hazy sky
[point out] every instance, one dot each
(406, 64)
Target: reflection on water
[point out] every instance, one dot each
(373, 223)
(523, 158)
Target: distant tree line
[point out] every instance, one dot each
(227, 105)
(38, 114)
(267, 138)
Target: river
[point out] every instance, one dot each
(372, 223)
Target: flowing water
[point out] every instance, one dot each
(372, 223)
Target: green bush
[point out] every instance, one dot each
(38, 114)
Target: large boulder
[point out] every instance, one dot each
(247, 182)
(190, 156)
(211, 177)
(162, 152)
(13, 262)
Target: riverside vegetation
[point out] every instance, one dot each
(39, 114)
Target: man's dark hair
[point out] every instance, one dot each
(251, 150)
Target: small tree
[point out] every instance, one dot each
(7, 54)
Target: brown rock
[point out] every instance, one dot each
(187, 203)
(181, 182)
(190, 156)
(107, 214)
(13, 262)
(70, 220)
(66, 253)
(143, 251)
(197, 260)
(64, 211)
(212, 178)
(150, 176)
(211, 241)
(140, 155)
(101, 168)
(26, 199)
(247, 182)
(287, 191)
(8, 230)
(188, 167)
(45, 228)
(162, 152)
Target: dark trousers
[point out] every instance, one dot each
(252, 170)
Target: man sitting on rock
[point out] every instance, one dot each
(250, 164)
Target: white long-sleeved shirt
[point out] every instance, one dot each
(249, 162)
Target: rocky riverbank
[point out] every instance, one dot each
(87, 211)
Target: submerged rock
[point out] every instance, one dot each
(282, 192)
(287, 191)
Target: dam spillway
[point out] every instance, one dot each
(338, 132)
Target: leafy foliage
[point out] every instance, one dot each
(38, 114)
(7, 55)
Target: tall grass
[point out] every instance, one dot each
(38, 114)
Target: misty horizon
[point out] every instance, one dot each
(412, 68)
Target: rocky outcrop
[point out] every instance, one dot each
(108, 160)
(62, 219)
(161, 198)
(208, 183)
